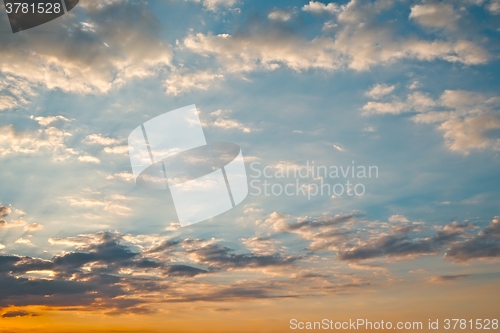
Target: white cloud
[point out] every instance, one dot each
(223, 121)
(23, 241)
(416, 101)
(261, 245)
(436, 15)
(461, 99)
(34, 142)
(14, 92)
(215, 5)
(338, 147)
(317, 7)
(178, 82)
(230, 124)
(431, 117)
(414, 85)
(465, 134)
(420, 101)
(379, 90)
(118, 150)
(7, 102)
(395, 107)
(118, 209)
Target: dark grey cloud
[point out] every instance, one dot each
(100, 275)
(90, 276)
(13, 314)
(5, 210)
(485, 245)
(399, 243)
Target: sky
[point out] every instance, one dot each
(408, 88)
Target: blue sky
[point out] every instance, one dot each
(410, 87)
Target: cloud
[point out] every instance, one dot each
(447, 278)
(107, 273)
(358, 49)
(485, 245)
(264, 51)
(220, 257)
(33, 227)
(360, 43)
(466, 118)
(398, 219)
(494, 7)
(469, 133)
(281, 15)
(338, 147)
(48, 140)
(261, 245)
(398, 244)
(23, 241)
(435, 15)
(99, 139)
(398, 239)
(325, 232)
(379, 90)
(13, 223)
(90, 56)
(221, 120)
(117, 150)
(5, 210)
(180, 82)
(230, 124)
(317, 7)
(113, 204)
(126, 176)
(89, 159)
(215, 5)
(46, 121)
(14, 92)
(14, 314)
(166, 245)
(395, 107)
